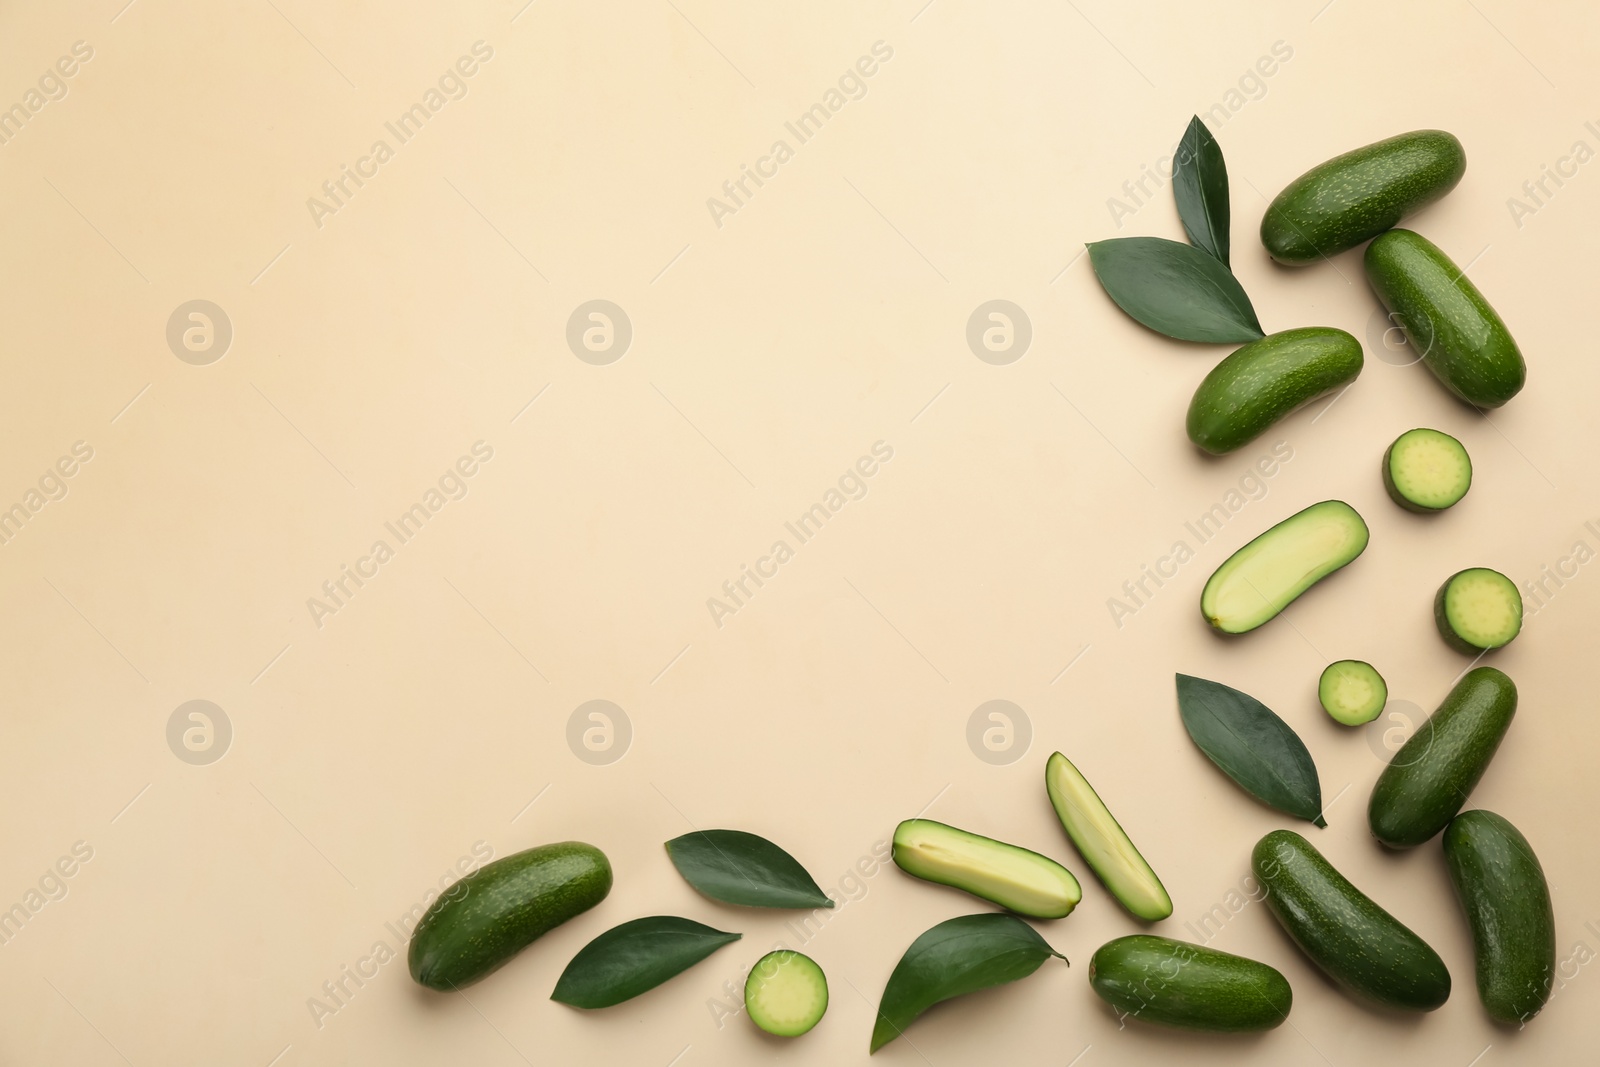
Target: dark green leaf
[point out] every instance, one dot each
(1252, 746)
(1200, 183)
(1175, 289)
(961, 955)
(637, 956)
(739, 868)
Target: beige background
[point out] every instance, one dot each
(768, 354)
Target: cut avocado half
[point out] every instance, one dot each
(1478, 609)
(1101, 841)
(786, 993)
(1425, 470)
(1352, 691)
(1008, 875)
(1265, 576)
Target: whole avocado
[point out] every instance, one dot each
(1352, 198)
(1454, 331)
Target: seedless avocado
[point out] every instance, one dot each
(1477, 609)
(1015, 878)
(1352, 692)
(1341, 929)
(1102, 842)
(1265, 380)
(502, 907)
(1426, 470)
(1502, 889)
(1447, 322)
(786, 993)
(1261, 579)
(1338, 204)
(1175, 983)
(1428, 779)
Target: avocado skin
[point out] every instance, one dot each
(1355, 942)
(1337, 205)
(1445, 318)
(1428, 779)
(1176, 983)
(1265, 380)
(486, 918)
(1502, 889)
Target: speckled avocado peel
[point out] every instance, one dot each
(1352, 198)
(486, 918)
(1356, 943)
(1266, 380)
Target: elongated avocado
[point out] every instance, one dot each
(1013, 877)
(1264, 381)
(502, 907)
(1101, 841)
(1502, 889)
(1355, 942)
(1261, 579)
(1446, 320)
(1175, 983)
(1354, 197)
(1428, 779)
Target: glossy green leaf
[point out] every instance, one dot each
(739, 868)
(635, 957)
(1200, 184)
(1254, 747)
(961, 955)
(1175, 289)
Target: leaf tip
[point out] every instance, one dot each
(1319, 822)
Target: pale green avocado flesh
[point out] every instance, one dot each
(1013, 877)
(1103, 843)
(786, 993)
(1478, 609)
(1266, 575)
(1352, 692)
(1426, 470)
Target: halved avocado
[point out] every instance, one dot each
(1266, 575)
(1102, 842)
(1015, 878)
